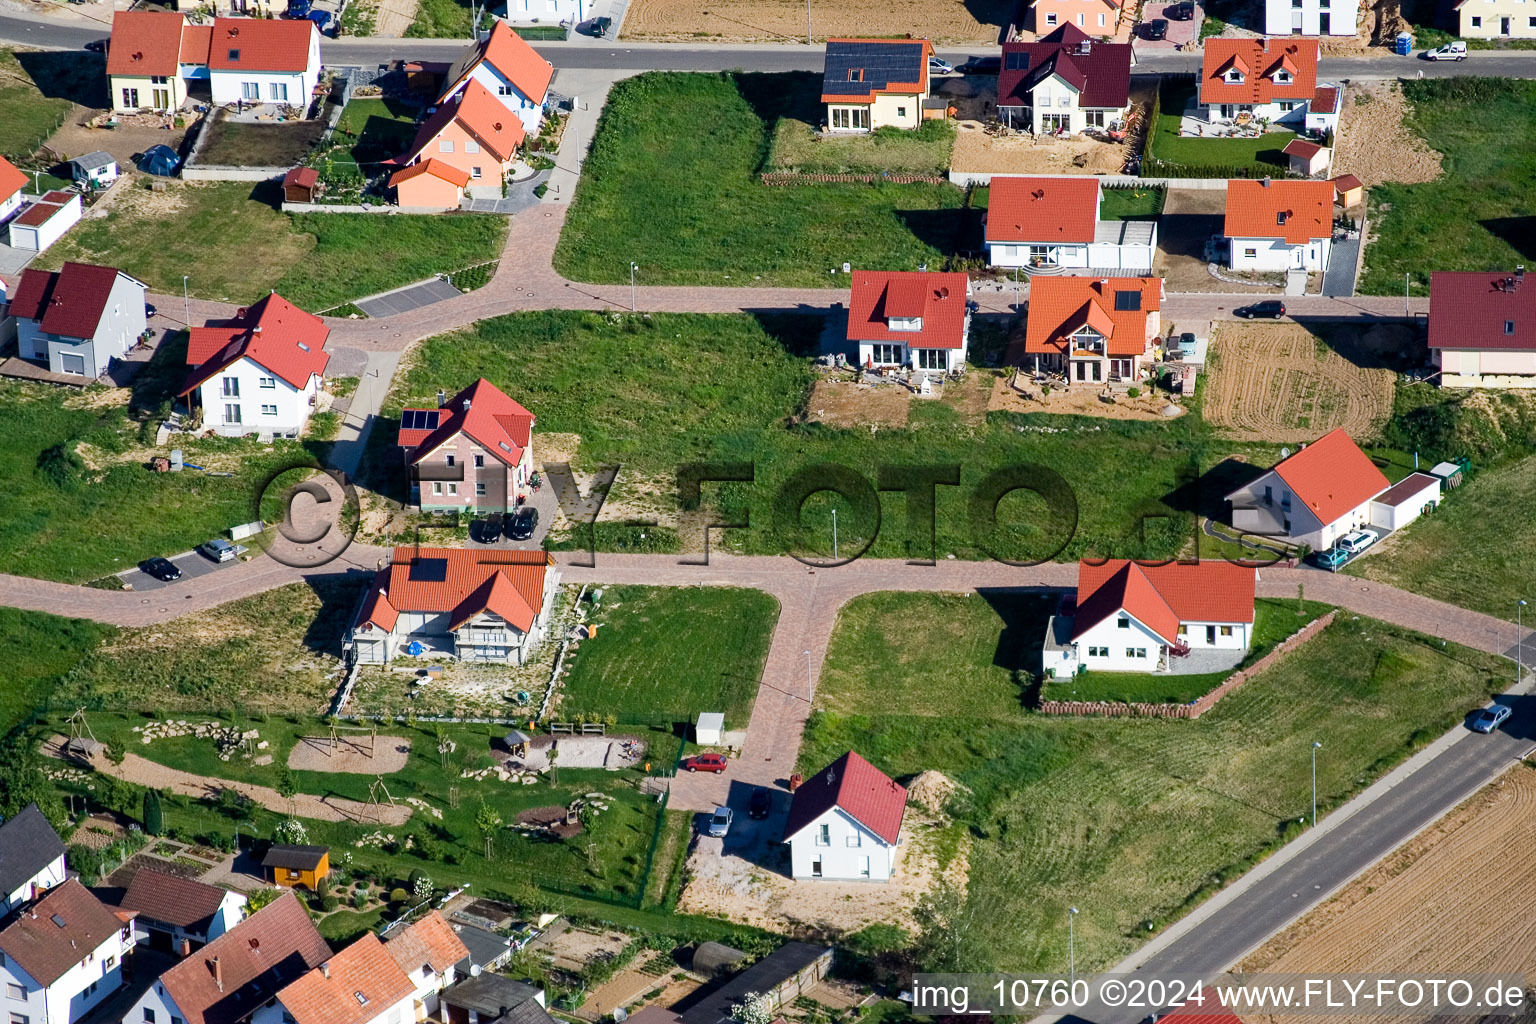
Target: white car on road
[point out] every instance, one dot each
(1450, 51)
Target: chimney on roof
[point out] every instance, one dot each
(184, 948)
(218, 973)
(1264, 182)
(466, 405)
(442, 398)
(325, 969)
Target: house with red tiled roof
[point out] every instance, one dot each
(1311, 17)
(1482, 328)
(1262, 79)
(77, 319)
(1092, 330)
(1279, 225)
(472, 453)
(490, 605)
(179, 914)
(144, 61)
(471, 136)
(1065, 82)
(1312, 497)
(359, 985)
(1130, 617)
(877, 83)
(235, 978)
(1052, 225)
(258, 373)
(507, 67)
(428, 951)
(845, 823)
(12, 181)
(61, 955)
(905, 318)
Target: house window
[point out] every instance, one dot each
(1286, 106)
(1135, 652)
(1226, 630)
(885, 355)
(1101, 21)
(452, 459)
(16, 991)
(1477, 21)
(816, 868)
(850, 118)
(1250, 253)
(109, 963)
(1093, 118)
(471, 146)
(1533, 22)
(1079, 21)
(230, 387)
(479, 461)
(856, 838)
(1183, 629)
(130, 97)
(863, 867)
(1509, 327)
(269, 410)
(932, 359)
(159, 79)
(1050, 19)
(474, 172)
(437, 487)
(277, 92)
(1124, 622)
(445, 145)
(266, 382)
(20, 1018)
(901, 111)
(251, 91)
(149, 1016)
(453, 488)
(503, 90)
(824, 835)
(72, 362)
(1098, 652)
(231, 414)
(90, 989)
(479, 489)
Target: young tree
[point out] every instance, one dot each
(154, 817)
(288, 788)
(488, 821)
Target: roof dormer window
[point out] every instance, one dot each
(1282, 76)
(905, 323)
(1234, 76)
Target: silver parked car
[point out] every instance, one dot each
(720, 822)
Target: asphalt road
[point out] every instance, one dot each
(1274, 901)
(192, 564)
(788, 57)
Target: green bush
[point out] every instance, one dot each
(398, 895)
(154, 817)
(330, 903)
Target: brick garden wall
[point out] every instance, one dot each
(1195, 708)
(796, 178)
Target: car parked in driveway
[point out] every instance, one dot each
(1184, 11)
(940, 66)
(720, 822)
(1333, 558)
(162, 569)
(1356, 541)
(704, 763)
(1253, 311)
(1157, 28)
(487, 529)
(523, 523)
(760, 805)
(1489, 719)
(219, 550)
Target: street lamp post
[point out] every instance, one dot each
(186, 300)
(632, 268)
(807, 22)
(1315, 746)
(1519, 640)
(808, 688)
(834, 534)
(1071, 946)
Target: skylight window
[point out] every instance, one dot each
(362, 1000)
(234, 54)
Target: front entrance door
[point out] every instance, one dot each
(1503, 26)
(1210, 634)
(1297, 252)
(1323, 23)
(162, 99)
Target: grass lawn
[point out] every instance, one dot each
(440, 19)
(671, 184)
(1262, 154)
(1471, 552)
(108, 512)
(371, 130)
(1148, 816)
(30, 114)
(664, 654)
(796, 144)
(237, 247)
(654, 392)
(1132, 203)
(1273, 621)
(40, 650)
(1477, 215)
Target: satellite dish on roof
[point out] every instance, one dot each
(1285, 453)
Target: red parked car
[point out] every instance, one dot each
(705, 763)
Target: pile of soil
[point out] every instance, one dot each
(931, 790)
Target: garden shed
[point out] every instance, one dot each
(301, 185)
(98, 169)
(707, 730)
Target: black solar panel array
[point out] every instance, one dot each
(429, 570)
(419, 419)
(874, 66)
(1128, 300)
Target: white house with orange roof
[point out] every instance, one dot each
(916, 319)
(1311, 17)
(473, 134)
(428, 951)
(1313, 497)
(12, 182)
(1277, 225)
(1263, 79)
(490, 605)
(1093, 330)
(511, 70)
(473, 453)
(1050, 225)
(1130, 617)
(258, 373)
(845, 823)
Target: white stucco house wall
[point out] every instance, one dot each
(258, 373)
(510, 69)
(908, 318)
(179, 915)
(1311, 17)
(1312, 498)
(845, 823)
(1279, 225)
(1129, 617)
(1052, 225)
(77, 319)
(428, 951)
(264, 60)
(1263, 79)
(62, 955)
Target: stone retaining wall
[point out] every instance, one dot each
(1198, 707)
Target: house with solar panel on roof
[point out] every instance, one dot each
(1093, 330)
(482, 605)
(877, 83)
(845, 823)
(1052, 225)
(1064, 83)
(472, 453)
(258, 373)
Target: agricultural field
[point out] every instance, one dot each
(784, 21)
(236, 246)
(1285, 383)
(706, 388)
(663, 654)
(1151, 816)
(1450, 901)
(1474, 215)
(686, 204)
